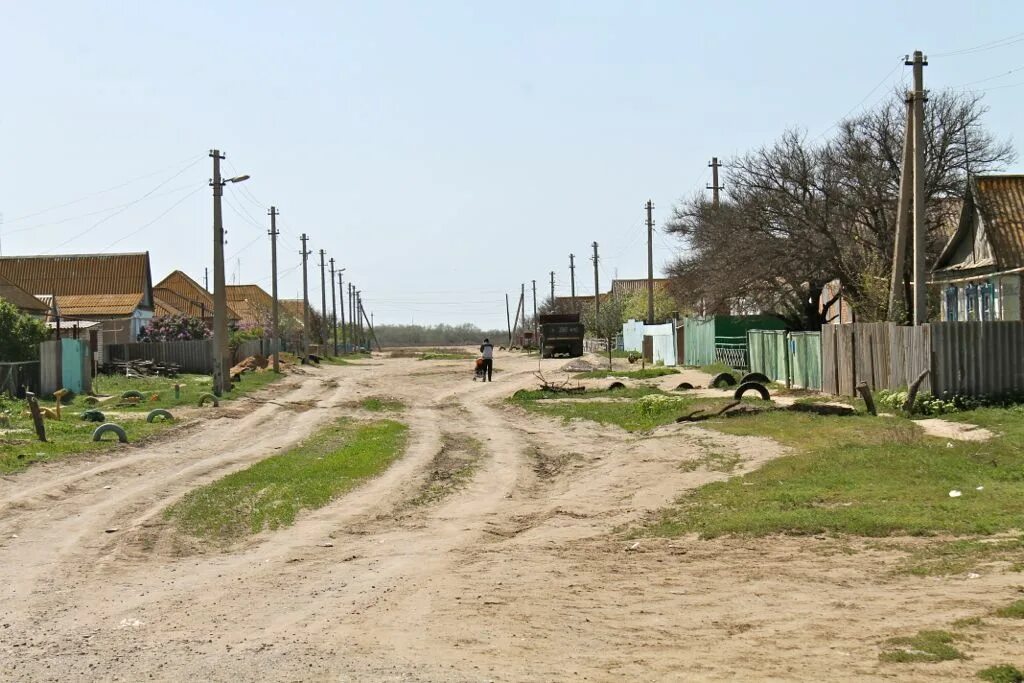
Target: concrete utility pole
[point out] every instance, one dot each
(714, 186)
(597, 289)
(534, 310)
(352, 315)
(274, 330)
(221, 356)
(920, 228)
(897, 292)
(359, 307)
(552, 289)
(508, 319)
(650, 262)
(334, 309)
(572, 280)
(305, 295)
(206, 279)
(323, 300)
(341, 296)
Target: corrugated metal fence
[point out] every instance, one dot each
(193, 356)
(791, 358)
(699, 341)
(978, 358)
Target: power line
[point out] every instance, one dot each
(1002, 42)
(864, 99)
(167, 211)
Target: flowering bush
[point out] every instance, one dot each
(927, 404)
(174, 328)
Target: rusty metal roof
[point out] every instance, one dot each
(94, 275)
(999, 199)
(20, 298)
(178, 294)
(97, 305)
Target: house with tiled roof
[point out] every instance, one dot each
(115, 289)
(178, 294)
(22, 300)
(978, 273)
(252, 305)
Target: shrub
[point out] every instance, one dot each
(174, 328)
(20, 334)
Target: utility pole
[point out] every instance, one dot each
(323, 300)
(597, 290)
(508, 320)
(714, 186)
(920, 228)
(572, 280)
(341, 296)
(534, 311)
(904, 224)
(334, 309)
(553, 290)
(359, 307)
(305, 295)
(274, 331)
(650, 262)
(220, 317)
(206, 279)
(352, 315)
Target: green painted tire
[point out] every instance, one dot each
(94, 416)
(209, 397)
(110, 427)
(132, 394)
(159, 412)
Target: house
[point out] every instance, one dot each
(978, 274)
(22, 300)
(178, 294)
(113, 289)
(252, 305)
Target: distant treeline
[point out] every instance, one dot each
(436, 335)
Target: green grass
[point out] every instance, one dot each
(1012, 611)
(926, 646)
(648, 411)
(1003, 673)
(960, 556)
(269, 494)
(863, 476)
(646, 373)
(382, 404)
(451, 469)
(191, 387)
(717, 368)
(447, 356)
(526, 395)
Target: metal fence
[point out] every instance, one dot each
(978, 358)
(790, 358)
(192, 356)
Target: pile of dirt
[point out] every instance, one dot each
(251, 364)
(578, 365)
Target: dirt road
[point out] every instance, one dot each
(522, 575)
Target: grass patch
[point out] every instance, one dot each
(452, 468)
(269, 494)
(961, 556)
(1012, 611)
(717, 368)
(526, 395)
(926, 646)
(713, 461)
(863, 476)
(382, 404)
(646, 412)
(1002, 673)
(158, 392)
(646, 373)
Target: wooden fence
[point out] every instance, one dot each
(967, 358)
(193, 356)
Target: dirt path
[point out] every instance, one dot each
(522, 574)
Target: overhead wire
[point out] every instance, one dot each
(984, 47)
(172, 207)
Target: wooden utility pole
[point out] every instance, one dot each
(334, 309)
(275, 333)
(597, 289)
(305, 295)
(553, 290)
(534, 311)
(897, 291)
(323, 299)
(572, 280)
(714, 186)
(650, 262)
(920, 226)
(341, 297)
(508, 319)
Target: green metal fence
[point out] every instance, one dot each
(767, 352)
(699, 341)
(790, 358)
(805, 359)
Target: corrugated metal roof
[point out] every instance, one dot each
(83, 275)
(178, 294)
(20, 298)
(294, 308)
(251, 303)
(1000, 198)
(99, 305)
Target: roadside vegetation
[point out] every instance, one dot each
(382, 404)
(646, 373)
(271, 493)
(71, 435)
(452, 468)
(864, 476)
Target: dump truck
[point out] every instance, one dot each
(560, 334)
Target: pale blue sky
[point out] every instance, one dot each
(442, 152)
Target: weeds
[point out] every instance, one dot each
(926, 646)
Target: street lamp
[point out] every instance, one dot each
(221, 361)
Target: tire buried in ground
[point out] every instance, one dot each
(684, 386)
(751, 386)
(758, 377)
(94, 416)
(208, 397)
(159, 412)
(723, 379)
(132, 394)
(110, 427)
(614, 386)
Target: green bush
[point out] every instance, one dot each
(20, 334)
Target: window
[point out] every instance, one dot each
(952, 303)
(971, 300)
(986, 301)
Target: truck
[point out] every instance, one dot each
(560, 334)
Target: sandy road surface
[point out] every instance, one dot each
(521, 575)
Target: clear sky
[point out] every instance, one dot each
(442, 152)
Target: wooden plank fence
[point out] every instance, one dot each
(193, 356)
